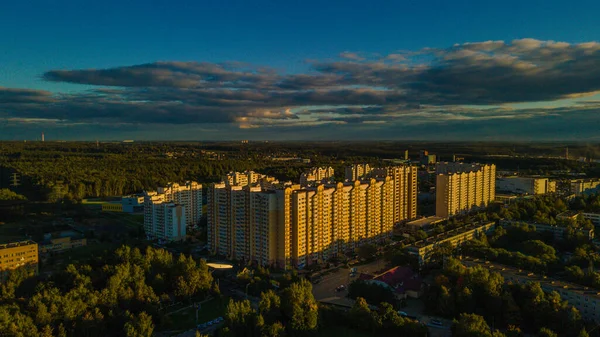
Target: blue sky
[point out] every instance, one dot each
(302, 38)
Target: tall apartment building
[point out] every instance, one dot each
(525, 185)
(170, 209)
(23, 254)
(405, 190)
(188, 195)
(317, 174)
(163, 219)
(295, 226)
(461, 188)
(356, 171)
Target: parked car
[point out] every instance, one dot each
(340, 288)
(436, 322)
(402, 313)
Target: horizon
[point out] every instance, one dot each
(527, 72)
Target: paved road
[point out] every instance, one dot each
(325, 289)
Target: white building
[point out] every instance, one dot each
(164, 220)
(525, 185)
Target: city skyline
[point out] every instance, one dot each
(335, 71)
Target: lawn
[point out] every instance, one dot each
(186, 319)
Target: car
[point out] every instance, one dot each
(436, 322)
(220, 319)
(208, 324)
(340, 288)
(402, 313)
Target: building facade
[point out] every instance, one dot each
(461, 188)
(188, 195)
(22, 254)
(405, 190)
(585, 186)
(356, 171)
(58, 245)
(290, 225)
(525, 185)
(317, 174)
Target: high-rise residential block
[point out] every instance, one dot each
(461, 188)
(317, 175)
(356, 171)
(405, 190)
(22, 254)
(290, 225)
(170, 209)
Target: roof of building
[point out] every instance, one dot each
(17, 244)
(399, 278)
(451, 233)
(425, 221)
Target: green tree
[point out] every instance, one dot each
(470, 325)
(300, 307)
(366, 251)
(139, 326)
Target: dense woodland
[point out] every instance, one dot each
(122, 295)
(53, 171)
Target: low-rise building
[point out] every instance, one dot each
(584, 186)
(61, 244)
(573, 215)
(455, 237)
(557, 231)
(22, 254)
(403, 281)
(585, 299)
(525, 185)
(425, 223)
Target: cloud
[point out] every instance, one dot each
(429, 86)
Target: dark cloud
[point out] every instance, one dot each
(402, 88)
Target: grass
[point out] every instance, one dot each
(186, 319)
(341, 331)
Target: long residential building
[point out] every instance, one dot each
(405, 189)
(461, 188)
(585, 186)
(170, 209)
(454, 237)
(356, 171)
(22, 254)
(290, 225)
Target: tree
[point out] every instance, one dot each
(300, 307)
(545, 332)
(470, 325)
(139, 326)
(270, 306)
(361, 316)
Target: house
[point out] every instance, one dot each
(401, 280)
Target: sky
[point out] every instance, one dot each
(300, 70)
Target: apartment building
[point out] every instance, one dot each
(584, 299)
(163, 219)
(557, 231)
(170, 209)
(317, 174)
(525, 185)
(572, 215)
(188, 195)
(461, 188)
(455, 237)
(356, 171)
(22, 254)
(584, 186)
(290, 225)
(405, 189)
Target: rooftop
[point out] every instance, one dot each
(451, 233)
(17, 244)
(425, 221)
